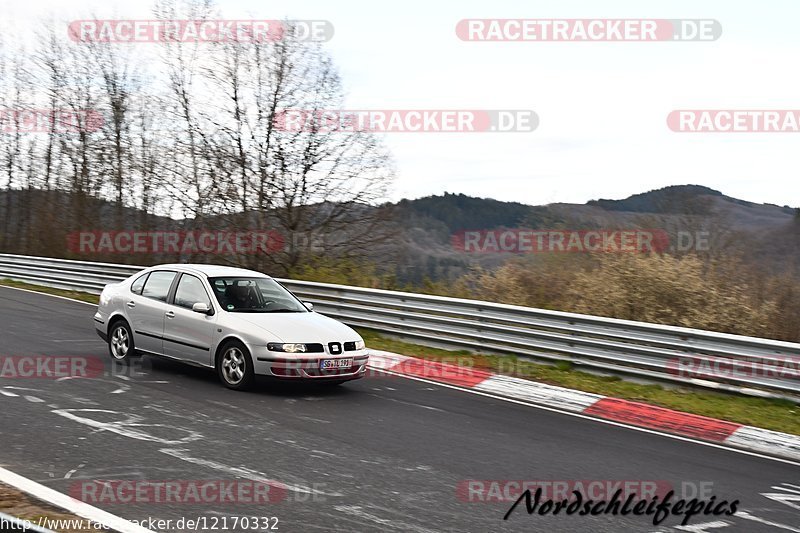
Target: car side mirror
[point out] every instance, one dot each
(309, 306)
(201, 308)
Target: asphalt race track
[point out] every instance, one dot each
(381, 454)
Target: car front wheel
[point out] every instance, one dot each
(234, 366)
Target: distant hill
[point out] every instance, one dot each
(766, 234)
(677, 199)
(459, 211)
(421, 248)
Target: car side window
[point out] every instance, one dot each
(158, 284)
(191, 291)
(138, 285)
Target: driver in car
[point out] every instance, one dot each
(241, 296)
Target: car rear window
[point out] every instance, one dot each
(138, 285)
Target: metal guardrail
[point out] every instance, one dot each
(749, 365)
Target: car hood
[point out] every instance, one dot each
(300, 327)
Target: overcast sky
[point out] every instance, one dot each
(602, 106)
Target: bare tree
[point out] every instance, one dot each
(197, 135)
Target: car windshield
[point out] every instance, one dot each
(254, 295)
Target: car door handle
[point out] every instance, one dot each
(131, 304)
(170, 314)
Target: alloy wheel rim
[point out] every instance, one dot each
(233, 367)
(120, 343)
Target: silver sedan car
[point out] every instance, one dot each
(239, 322)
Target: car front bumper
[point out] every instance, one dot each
(307, 366)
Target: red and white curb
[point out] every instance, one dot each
(623, 411)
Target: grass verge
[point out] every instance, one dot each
(778, 415)
(75, 295)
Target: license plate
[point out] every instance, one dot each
(332, 364)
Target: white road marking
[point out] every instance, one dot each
(130, 427)
(748, 516)
(69, 474)
(702, 528)
(242, 472)
(429, 407)
(34, 399)
(122, 387)
(788, 487)
(10, 394)
(790, 496)
(69, 503)
(320, 452)
(315, 420)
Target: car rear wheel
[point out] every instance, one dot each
(234, 366)
(120, 342)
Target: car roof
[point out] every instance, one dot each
(211, 271)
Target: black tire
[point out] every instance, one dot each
(121, 346)
(235, 366)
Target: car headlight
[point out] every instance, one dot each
(293, 347)
(360, 345)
